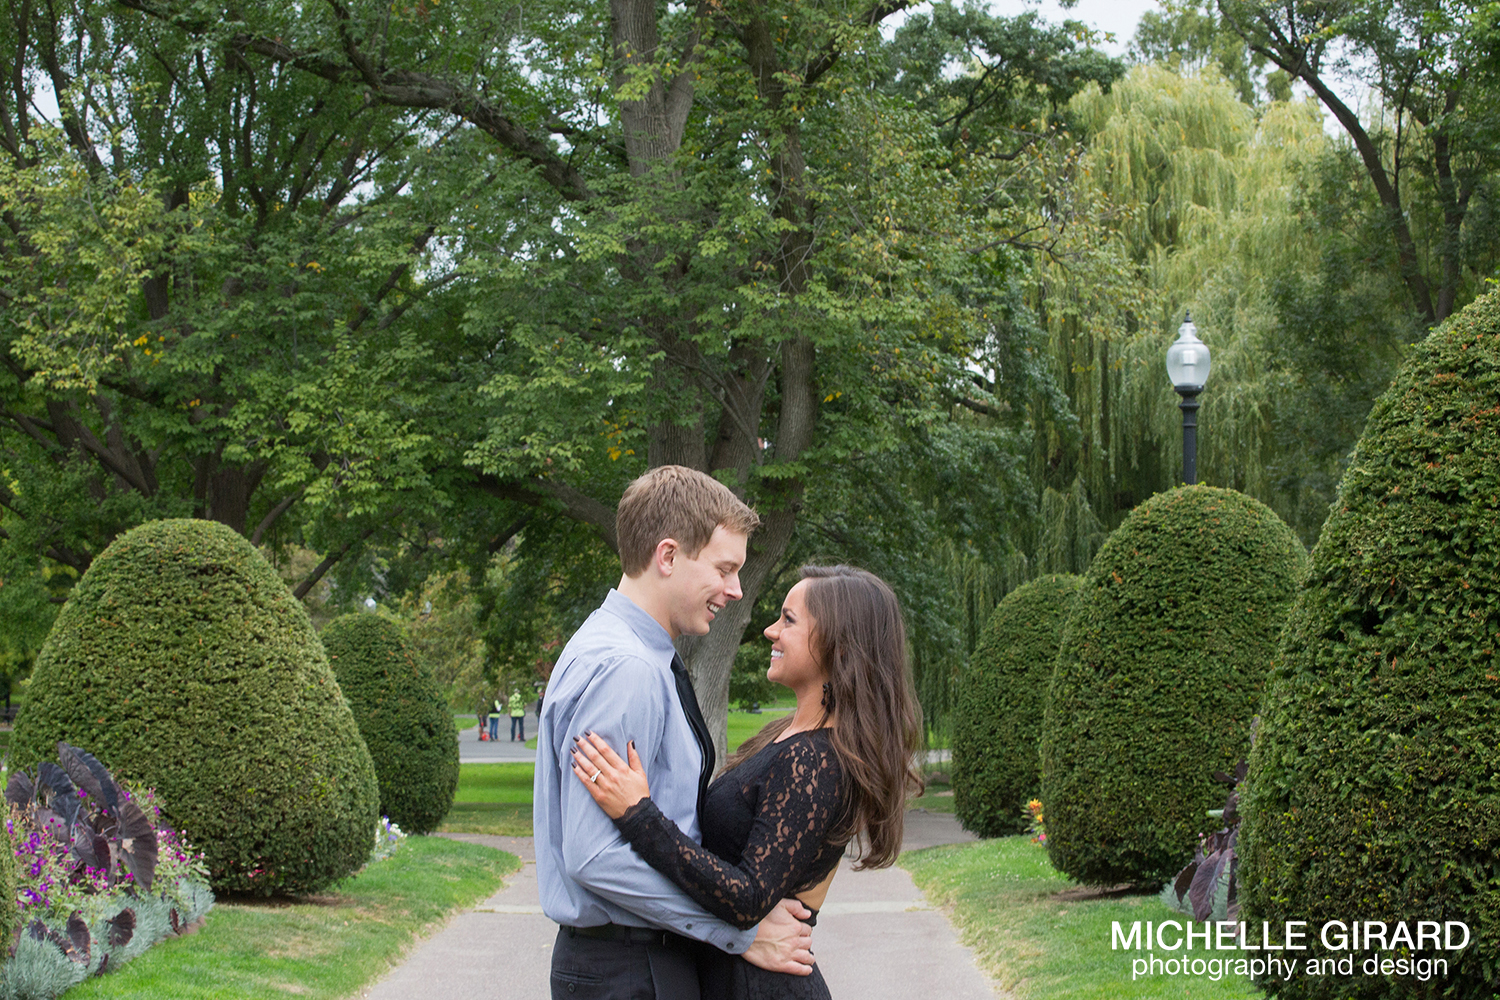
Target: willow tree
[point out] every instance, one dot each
(1218, 213)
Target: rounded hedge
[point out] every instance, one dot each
(1160, 671)
(402, 716)
(1374, 786)
(997, 721)
(186, 664)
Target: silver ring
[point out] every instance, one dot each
(595, 778)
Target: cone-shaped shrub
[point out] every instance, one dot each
(402, 716)
(1160, 671)
(997, 724)
(1373, 790)
(182, 660)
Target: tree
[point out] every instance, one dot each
(1430, 150)
(205, 313)
(1256, 223)
(611, 239)
(1187, 39)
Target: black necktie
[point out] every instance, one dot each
(697, 725)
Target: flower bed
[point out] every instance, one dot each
(99, 876)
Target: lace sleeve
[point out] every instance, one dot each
(788, 850)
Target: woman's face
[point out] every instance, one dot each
(793, 662)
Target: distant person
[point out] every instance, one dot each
(517, 716)
(780, 814)
(626, 931)
(496, 710)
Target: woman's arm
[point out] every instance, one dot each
(788, 841)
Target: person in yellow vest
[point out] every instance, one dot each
(497, 709)
(517, 716)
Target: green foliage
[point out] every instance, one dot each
(1160, 671)
(10, 917)
(402, 716)
(1261, 226)
(987, 79)
(748, 684)
(998, 716)
(1426, 135)
(1371, 786)
(190, 668)
(442, 622)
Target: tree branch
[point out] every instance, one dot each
(830, 55)
(538, 491)
(270, 518)
(328, 563)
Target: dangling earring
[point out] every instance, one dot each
(827, 696)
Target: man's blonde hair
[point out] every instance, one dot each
(672, 501)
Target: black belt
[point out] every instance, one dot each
(629, 935)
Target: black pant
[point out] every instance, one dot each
(518, 725)
(586, 968)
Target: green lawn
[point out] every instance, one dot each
(936, 798)
(743, 725)
(492, 798)
(328, 946)
(1039, 935)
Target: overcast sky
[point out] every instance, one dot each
(1117, 16)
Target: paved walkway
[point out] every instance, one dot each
(877, 938)
(472, 750)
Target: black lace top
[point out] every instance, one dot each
(767, 829)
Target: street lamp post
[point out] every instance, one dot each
(1187, 366)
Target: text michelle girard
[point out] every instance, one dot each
(1351, 948)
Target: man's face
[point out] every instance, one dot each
(701, 587)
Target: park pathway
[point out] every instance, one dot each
(877, 937)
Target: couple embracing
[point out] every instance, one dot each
(669, 882)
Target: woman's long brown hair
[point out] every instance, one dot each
(859, 638)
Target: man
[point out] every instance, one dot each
(625, 930)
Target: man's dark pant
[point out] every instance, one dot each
(518, 726)
(586, 968)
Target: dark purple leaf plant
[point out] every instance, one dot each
(100, 876)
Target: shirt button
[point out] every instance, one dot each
(687, 926)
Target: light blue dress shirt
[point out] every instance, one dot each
(614, 677)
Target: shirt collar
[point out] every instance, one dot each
(646, 628)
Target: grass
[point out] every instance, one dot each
(496, 798)
(328, 946)
(1041, 935)
(743, 725)
(936, 798)
(492, 798)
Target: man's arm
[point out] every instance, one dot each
(625, 700)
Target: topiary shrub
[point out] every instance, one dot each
(1372, 785)
(182, 660)
(997, 719)
(402, 716)
(1158, 676)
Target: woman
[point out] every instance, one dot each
(779, 815)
